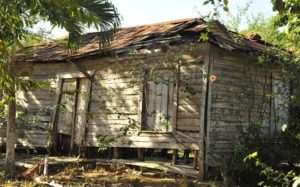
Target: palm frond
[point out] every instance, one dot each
(75, 15)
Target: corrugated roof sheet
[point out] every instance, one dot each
(140, 36)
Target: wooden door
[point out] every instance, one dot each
(66, 114)
(67, 106)
(160, 101)
(72, 114)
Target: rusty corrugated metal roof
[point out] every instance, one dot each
(137, 37)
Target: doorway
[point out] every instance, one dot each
(72, 112)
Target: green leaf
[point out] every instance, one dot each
(284, 127)
(203, 37)
(225, 8)
(250, 156)
(296, 181)
(206, 2)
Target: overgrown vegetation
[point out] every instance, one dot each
(265, 161)
(270, 160)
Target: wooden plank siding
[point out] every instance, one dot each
(190, 97)
(114, 108)
(238, 98)
(115, 101)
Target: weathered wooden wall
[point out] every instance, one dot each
(240, 96)
(116, 100)
(235, 99)
(117, 104)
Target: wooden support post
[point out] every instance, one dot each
(174, 157)
(71, 152)
(52, 143)
(116, 153)
(205, 113)
(174, 125)
(110, 152)
(40, 169)
(88, 108)
(195, 160)
(82, 70)
(46, 165)
(201, 165)
(141, 154)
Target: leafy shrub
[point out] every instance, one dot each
(266, 161)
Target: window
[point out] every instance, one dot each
(159, 100)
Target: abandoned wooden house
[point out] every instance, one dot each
(170, 85)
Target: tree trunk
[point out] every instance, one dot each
(11, 119)
(10, 139)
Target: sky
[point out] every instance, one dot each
(140, 12)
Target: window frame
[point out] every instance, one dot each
(145, 95)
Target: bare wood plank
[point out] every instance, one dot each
(176, 98)
(160, 166)
(157, 145)
(67, 110)
(103, 75)
(186, 136)
(81, 117)
(164, 105)
(172, 101)
(174, 157)
(151, 105)
(196, 160)
(188, 128)
(188, 122)
(203, 109)
(188, 108)
(73, 123)
(112, 116)
(158, 98)
(113, 110)
(46, 164)
(31, 168)
(76, 74)
(124, 98)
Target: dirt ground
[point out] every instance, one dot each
(108, 174)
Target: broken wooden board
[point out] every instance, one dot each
(30, 162)
(177, 169)
(164, 166)
(23, 164)
(31, 168)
